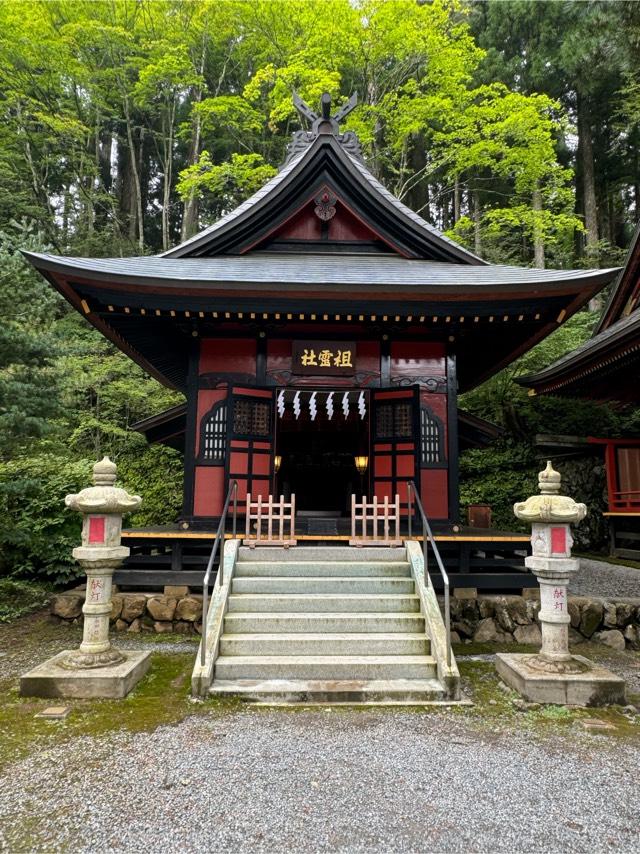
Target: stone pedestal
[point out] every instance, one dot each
(54, 678)
(554, 675)
(96, 669)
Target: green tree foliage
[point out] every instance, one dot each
(581, 54)
(28, 306)
(129, 124)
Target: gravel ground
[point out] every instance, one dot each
(27, 642)
(357, 781)
(597, 578)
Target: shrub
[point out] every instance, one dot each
(37, 531)
(499, 476)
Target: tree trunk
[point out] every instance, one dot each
(126, 191)
(588, 176)
(456, 201)
(190, 206)
(477, 215)
(167, 145)
(538, 240)
(136, 175)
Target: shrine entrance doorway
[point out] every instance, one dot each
(316, 450)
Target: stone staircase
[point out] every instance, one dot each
(325, 624)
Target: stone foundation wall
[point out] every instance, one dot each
(483, 619)
(514, 619)
(139, 612)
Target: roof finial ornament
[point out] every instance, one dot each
(323, 123)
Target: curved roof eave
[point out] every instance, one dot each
(285, 271)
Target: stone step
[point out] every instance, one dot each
(392, 692)
(335, 585)
(324, 568)
(298, 643)
(321, 553)
(233, 667)
(254, 623)
(318, 602)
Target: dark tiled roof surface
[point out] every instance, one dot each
(290, 270)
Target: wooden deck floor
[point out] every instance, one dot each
(464, 534)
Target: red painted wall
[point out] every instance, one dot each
(223, 355)
(208, 493)
(305, 225)
(434, 482)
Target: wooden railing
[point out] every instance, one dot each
(220, 533)
(272, 518)
(429, 541)
(375, 523)
(625, 499)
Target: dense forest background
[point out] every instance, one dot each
(127, 125)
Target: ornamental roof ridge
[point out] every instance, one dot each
(324, 123)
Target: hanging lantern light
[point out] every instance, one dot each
(362, 463)
(277, 462)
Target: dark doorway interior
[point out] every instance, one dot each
(318, 463)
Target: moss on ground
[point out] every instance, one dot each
(494, 705)
(163, 697)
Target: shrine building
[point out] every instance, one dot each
(321, 333)
(606, 368)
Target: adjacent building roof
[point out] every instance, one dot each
(607, 366)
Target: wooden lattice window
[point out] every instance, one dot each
(431, 439)
(394, 420)
(213, 436)
(251, 417)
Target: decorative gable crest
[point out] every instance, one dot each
(324, 123)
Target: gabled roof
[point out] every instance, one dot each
(324, 162)
(402, 272)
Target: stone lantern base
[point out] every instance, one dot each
(111, 682)
(575, 682)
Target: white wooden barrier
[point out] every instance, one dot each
(270, 514)
(383, 515)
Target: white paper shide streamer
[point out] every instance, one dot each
(280, 404)
(313, 409)
(345, 404)
(296, 404)
(362, 406)
(329, 405)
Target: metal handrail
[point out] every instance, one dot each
(427, 536)
(233, 490)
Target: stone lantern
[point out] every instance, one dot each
(554, 675)
(96, 669)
